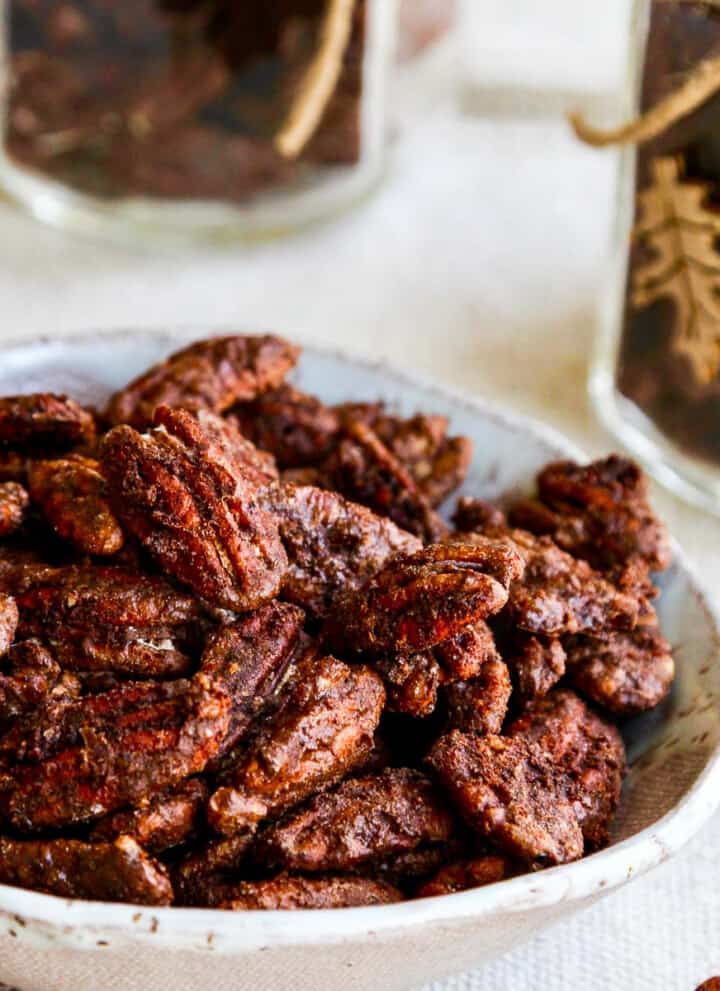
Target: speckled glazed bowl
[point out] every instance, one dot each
(48, 944)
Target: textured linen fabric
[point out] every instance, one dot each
(479, 262)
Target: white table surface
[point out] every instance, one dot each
(479, 262)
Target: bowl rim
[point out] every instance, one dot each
(43, 917)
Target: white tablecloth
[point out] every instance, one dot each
(479, 262)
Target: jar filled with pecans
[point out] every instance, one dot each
(656, 375)
(206, 117)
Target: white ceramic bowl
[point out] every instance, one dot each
(48, 943)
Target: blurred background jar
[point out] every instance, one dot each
(211, 117)
(656, 376)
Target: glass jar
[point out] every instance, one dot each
(211, 117)
(656, 376)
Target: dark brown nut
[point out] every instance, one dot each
(464, 655)
(166, 821)
(192, 504)
(287, 892)
(411, 682)
(203, 878)
(249, 659)
(625, 673)
(107, 618)
(332, 545)
(116, 872)
(296, 428)
(71, 493)
(211, 375)
(510, 792)
(14, 502)
(44, 420)
(562, 594)
(407, 869)
(364, 819)
(437, 463)
(587, 749)
(476, 515)
(480, 705)
(465, 874)
(31, 679)
(363, 469)
(419, 601)
(538, 663)
(323, 729)
(599, 512)
(9, 617)
(118, 758)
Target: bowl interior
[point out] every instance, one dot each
(668, 748)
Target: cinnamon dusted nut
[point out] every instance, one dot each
(211, 375)
(323, 729)
(44, 420)
(117, 872)
(193, 502)
(14, 502)
(288, 892)
(166, 821)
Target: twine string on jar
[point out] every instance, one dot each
(320, 80)
(702, 84)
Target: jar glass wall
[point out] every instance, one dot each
(193, 116)
(655, 379)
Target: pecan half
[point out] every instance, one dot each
(332, 545)
(625, 673)
(480, 704)
(422, 600)
(117, 872)
(30, 679)
(44, 420)
(287, 892)
(71, 493)
(599, 512)
(510, 791)
(465, 874)
(194, 506)
(167, 820)
(363, 819)
(588, 750)
(211, 375)
(323, 729)
(537, 662)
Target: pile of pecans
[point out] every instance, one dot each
(172, 99)
(247, 665)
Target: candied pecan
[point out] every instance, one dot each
(480, 705)
(464, 655)
(167, 820)
(364, 470)
(599, 512)
(107, 618)
(411, 682)
(510, 791)
(407, 869)
(332, 545)
(538, 663)
(107, 757)
(363, 819)
(625, 673)
(212, 375)
(465, 874)
(9, 618)
(562, 594)
(31, 679)
(297, 428)
(249, 658)
(14, 502)
(118, 872)
(191, 503)
(288, 892)
(419, 601)
(201, 878)
(437, 463)
(323, 729)
(71, 493)
(44, 420)
(587, 749)
(473, 514)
